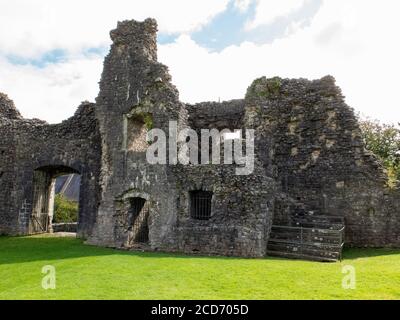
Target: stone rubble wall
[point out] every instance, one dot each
(214, 115)
(133, 83)
(8, 211)
(242, 211)
(71, 146)
(319, 157)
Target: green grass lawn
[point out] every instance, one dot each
(85, 272)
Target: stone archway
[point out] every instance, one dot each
(44, 181)
(132, 219)
(138, 225)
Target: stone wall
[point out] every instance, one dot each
(8, 214)
(214, 115)
(319, 157)
(134, 84)
(242, 211)
(70, 147)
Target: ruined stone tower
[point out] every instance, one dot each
(311, 172)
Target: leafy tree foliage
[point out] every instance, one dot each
(65, 210)
(384, 141)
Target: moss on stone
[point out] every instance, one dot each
(148, 121)
(265, 88)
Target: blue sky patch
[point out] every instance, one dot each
(228, 28)
(100, 51)
(276, 30)
(165, 38)
(53, 56)
(225, 29)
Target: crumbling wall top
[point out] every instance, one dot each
(276, 88)
(218, 115)
(139, 36)
(8, 109)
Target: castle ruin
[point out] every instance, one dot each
(313, 187)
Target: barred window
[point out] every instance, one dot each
(200, 205)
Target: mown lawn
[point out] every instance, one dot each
(85, 272)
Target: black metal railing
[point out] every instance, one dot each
(318, 242)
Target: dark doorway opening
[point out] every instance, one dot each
(55, 200)
(139, 221)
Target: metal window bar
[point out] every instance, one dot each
(200, 208)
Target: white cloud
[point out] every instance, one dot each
(354, 40)
(267, 11)
(242, 5)
(54, 92)
(29, 28)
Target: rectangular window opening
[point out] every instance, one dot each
(200, 205)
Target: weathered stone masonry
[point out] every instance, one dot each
(310, 161)
(32, 149)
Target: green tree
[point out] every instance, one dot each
(65, 210)
(384, 141)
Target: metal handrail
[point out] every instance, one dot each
(319, 223)
(320, 244)
(319, 217)
(307, 228)
(339, 232)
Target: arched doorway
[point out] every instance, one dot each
(44, 196)
(138, 231)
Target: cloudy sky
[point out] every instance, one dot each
(51, 51)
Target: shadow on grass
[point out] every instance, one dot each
(43, 248)
(26, 249)
(356, 253)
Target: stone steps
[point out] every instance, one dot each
(311, 249)
(318, 238)
(309, 235)
(303, 252)
(290, 255)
